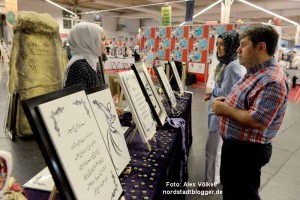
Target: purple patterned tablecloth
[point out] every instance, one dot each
(167, 162)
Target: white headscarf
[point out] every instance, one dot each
(85, 41)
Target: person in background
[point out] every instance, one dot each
(67, 48)
(136, 53)
(107, 48)
(295, 65)
(291, 56)
(251, 115)
(87, 42)
(296, 62)
(284, 64)
(227, 73)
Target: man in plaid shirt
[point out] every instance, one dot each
(251, 115)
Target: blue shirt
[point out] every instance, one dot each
(231, 75)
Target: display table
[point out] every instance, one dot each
(118, 63)
(167, 162)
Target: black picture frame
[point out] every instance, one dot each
(167, 89)
(101, 66)
(47, 146)
(44, 141)
(146, 127)
(160, 116)
(10, 120)
(96, 89)
(175, 78)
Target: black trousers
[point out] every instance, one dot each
(241, 164)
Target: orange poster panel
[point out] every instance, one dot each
(11, 12)
(229, 27)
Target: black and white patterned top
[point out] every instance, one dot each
(80, 72)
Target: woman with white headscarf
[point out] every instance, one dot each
(87, 42)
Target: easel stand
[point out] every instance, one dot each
(11, 118)
(147, 143)
(53, 193)
(175, 112)
(179, 94)
(135, 129)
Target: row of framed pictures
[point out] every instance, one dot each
(142, 78)
(80, 136)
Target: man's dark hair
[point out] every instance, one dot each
(262, 33)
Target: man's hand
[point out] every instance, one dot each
(243, 117)
(219, 107)
(222, 99)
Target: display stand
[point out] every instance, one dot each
(118, 64)
(175, 75)
(149, 90)
(167, 70)
(167, 90)
(139, 107)
(147, 143)
(133, 134)
(135, 129)
(183, 75)
(2, 68)
(121, 96)
(53, 193)
(179, 94)
(11, 118)
(175, 112)
(6, 113)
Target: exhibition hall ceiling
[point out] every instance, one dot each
(287, 8)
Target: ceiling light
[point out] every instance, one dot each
(130, 7)
(269, 12)
(59, 6)
(204, 10)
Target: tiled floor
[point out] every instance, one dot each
(280, 178)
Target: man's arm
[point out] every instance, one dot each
(243, 117)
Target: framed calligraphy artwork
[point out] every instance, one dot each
(150, 93)
(41, 181)
(140, 109)
(176, 76)
(72, 146)
(167, 89)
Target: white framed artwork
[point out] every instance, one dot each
(150, 93)
(177, 77)
(106, 115)
(167, 89)
(139, 107)
(41, 181)
(72, 145)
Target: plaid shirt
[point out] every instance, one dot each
(263, 92)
